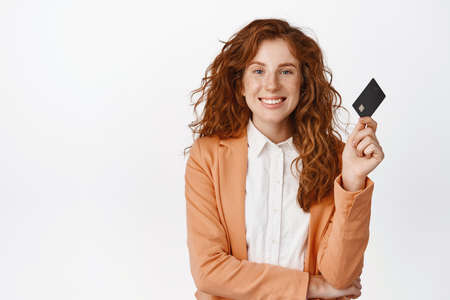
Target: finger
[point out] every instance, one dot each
(356, 280)
(361, 147)
(356, 293)
(357, 284)
(370, 122)
(362, 134)
(373, 150)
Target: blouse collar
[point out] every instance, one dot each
(257, 140)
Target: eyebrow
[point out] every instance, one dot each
(280, 65)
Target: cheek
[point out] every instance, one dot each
(252, 84)
(294, 87)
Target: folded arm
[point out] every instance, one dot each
(341, 252)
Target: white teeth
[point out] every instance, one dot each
(270, 101)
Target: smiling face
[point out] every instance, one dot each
(271, 76)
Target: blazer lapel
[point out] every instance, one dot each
(320, 215)
(232, 181)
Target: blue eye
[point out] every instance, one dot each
(257, 71)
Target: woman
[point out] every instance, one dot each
(257, 227)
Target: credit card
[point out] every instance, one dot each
(369, 100)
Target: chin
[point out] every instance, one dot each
(271, 119)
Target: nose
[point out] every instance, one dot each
(271, 82)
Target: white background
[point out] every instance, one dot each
(94, 107)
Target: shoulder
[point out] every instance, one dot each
(205, 144)
(204, 149)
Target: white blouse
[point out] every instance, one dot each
(276, 226)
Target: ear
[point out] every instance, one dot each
(242, 92)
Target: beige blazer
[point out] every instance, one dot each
(215, 180)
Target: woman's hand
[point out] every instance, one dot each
(319, 288)
(361, 154)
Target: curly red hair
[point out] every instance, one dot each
(226, 113)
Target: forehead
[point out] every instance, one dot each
(275, 52)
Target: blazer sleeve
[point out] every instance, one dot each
(213, 269)
(341, 251)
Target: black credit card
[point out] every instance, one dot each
(369, 100)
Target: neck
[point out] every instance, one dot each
(275, 132)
